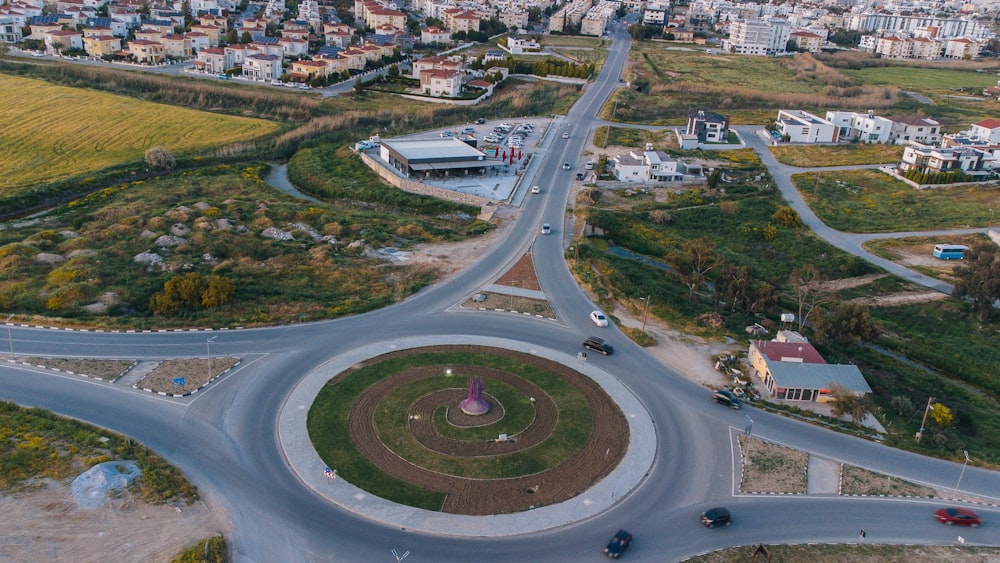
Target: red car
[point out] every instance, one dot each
(960, 516)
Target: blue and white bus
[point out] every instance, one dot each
(950, 251)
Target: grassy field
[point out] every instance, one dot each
(49, 132)
(328, 424)
(868, 201)
(898, 249)
(836, 155)
(915, 78)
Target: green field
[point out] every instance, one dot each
(50, 132)
(915, 78)
(867, 201)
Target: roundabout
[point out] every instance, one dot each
(497, 486)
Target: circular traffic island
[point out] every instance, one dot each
(469, 430)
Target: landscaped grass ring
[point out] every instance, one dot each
(574, 436)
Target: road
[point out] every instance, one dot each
(226, 441)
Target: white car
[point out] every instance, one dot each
(566, 166)
(565, 135)
(598, 318)
(536, 190)
(546, 229)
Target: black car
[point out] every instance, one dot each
(480, 121)
(618, 544)
(727, 398)
(579, 175)
(716, 517)
(598, 345)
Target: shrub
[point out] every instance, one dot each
(158, 158)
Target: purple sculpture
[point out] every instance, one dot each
(474, 405)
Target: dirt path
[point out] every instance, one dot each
(47, 525)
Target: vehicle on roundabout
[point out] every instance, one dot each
(598, 318)
(719, 516)
(598, 345)
(618, 544)
(956, 515)
(727, 398)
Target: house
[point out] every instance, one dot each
(708, 127)
(213, 32)
(795, 371)
(457, 19)
(651, 166)
(101, 45)
(177, 46)
(303, 71)
(802, 127)
(238, 52)
(214, 60)
(807, 41)
(987, 130)
(914, 129)
(63, 40)
(198, 40)
(10, 31)
(927, 159)
(149, 34)
(436, 63)
(861, 127)
(293, 47)
(483, 84)
(146, 52)
(262, 67)
(441, 83)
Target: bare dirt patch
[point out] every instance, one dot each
(195, 372)
(47, 525)
(770, 468)
(521, 274)
(857, 481)
(108, 370)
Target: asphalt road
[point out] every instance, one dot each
(225, 438)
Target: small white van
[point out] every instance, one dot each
(589, 165)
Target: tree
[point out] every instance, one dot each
(847, 402)
(231, 37)
(733, 286)
(807, 282)
(245, 37)
(696, 259)
(978, 280)
(941, 414)
(158, 158)
(845, 323)
(393, 71)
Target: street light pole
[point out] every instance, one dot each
(10, 338)
(208, 352)
(920, 433)
(645, 311)
(960, 475)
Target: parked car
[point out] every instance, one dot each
(566, 166)
(579, 175)
(223, 76)
(480, 121)
(598, 345)
(546, 229)
(618, 544)
(958, 515)
(716, 517)
(536, 190)
(598, 318)
(589, 165)
(727, 398)
(447, 134)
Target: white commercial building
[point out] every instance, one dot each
(758, 37)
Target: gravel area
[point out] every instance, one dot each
(196, 372)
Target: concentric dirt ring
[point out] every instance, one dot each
(603, 450)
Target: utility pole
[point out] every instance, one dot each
(920, 433)
(645, 311)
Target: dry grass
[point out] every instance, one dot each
(108, 370)
(857, 481)
(527, 305)
(195, 371)
(770, 468)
